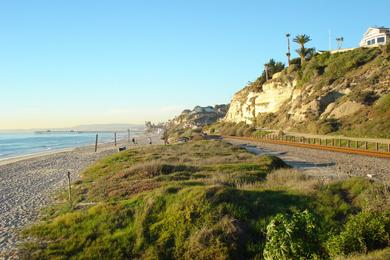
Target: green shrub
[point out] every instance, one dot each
(292, 237)
(340, 63)
(295, 61)
(362, 233)
(383, 104)
(363, 97)
(264, 119)
(260, 133)
(272, 162)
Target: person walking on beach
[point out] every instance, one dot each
(133, 140)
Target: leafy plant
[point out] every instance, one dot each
(362, 233)
(292, 237)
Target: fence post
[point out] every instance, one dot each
(377, 146)
(115, 138)
(128, 135)
(365, 145)
(96, 142)
(69, 190)
(388, 147)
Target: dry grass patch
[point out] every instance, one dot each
(292, 179)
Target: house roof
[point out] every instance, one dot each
(381, 28)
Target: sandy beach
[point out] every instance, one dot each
(27, 184)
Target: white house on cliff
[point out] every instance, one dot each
(375, 36)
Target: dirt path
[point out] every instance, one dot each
(322, 163)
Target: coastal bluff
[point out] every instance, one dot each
(346, 93)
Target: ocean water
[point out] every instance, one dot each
(18, 144)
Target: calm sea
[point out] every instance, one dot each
(17, 144)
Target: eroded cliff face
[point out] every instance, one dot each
(246, 104)
(345, 92)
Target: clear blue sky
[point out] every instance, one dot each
(70, 62)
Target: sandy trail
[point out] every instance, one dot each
(28, 184)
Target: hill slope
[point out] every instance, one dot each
(346, 93)
(209, 200)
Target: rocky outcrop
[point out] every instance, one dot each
(199, 116)
(269, 99)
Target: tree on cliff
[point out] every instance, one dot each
(272, 68)
(302, 39)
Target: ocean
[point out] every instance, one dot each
(19, 144)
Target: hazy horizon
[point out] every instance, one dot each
(85, 62)
(102, 126)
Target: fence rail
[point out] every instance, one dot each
(344, 145)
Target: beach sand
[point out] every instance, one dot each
(28, 183)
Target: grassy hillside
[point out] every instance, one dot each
(209, 200)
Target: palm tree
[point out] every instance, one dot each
(302, 39)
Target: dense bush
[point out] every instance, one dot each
(334, 66)
(363, 97)
(364, 232)
(323, 126)
(264, 119)
(341, 63)
(292, 237)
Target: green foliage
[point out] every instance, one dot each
(362, 233)
(340, 63)
(334, 66)
(260, 133)
(265, 119)
(272, 68)
(323, 126)
(205, 199)
(366, 97)
(292, 237)
(373, 122)
(383, 104)
(233, 129)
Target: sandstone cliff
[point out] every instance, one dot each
(346, 93)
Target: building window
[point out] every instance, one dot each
(380, 39)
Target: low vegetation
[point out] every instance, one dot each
(209, 200)
(232, 129)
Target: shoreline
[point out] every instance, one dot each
(29, 183)
(21, 157)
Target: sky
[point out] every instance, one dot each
(65, 63)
